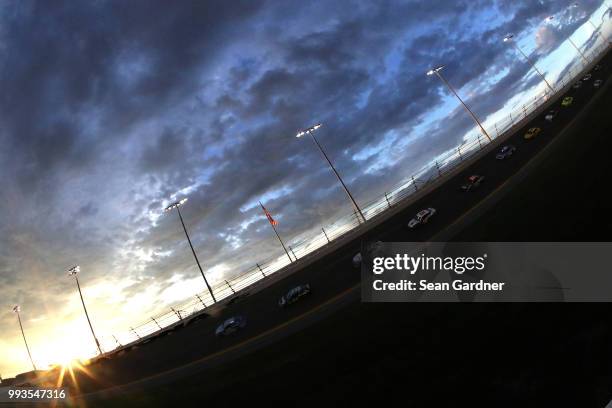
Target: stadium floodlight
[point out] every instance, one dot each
(177, 205)
(17, 309)
(74, 271)
(510, 39)
(437, 72)
(310, 131)
(569, 39)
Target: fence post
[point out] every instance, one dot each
(291, 249)
(200, 299)
(479, 143)
(117, 341)
(511, 119)
(496, 131)
(230, 286)
(134, 331)
(178, 313)
(325, 233)
(438, 167)
(260, 270)
(414, 184)
(524, 111)
(459, 151)
(387, 198)
(156, 323)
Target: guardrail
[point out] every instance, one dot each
(305, 245)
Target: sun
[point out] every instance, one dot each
(62, 355)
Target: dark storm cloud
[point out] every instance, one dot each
(66, 58)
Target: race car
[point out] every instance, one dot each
(587, 77)
(597, 67)
(532, 133)
(231, 325)
(505, 152)
(422, 217)
(597, 83)
(472, 183)
(551, 115)
(577, 85)
(294, 295)
(372, 249)
(567, 101)
(357, 260)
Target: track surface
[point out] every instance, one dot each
(331, 278)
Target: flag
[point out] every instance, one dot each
(268, 215)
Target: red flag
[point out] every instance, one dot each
(268, 215)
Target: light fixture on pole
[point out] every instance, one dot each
(569, 39)
(510, 39)
(177, 205)
(310, 131)
(17, 309)
(436, 71)
(73, 272)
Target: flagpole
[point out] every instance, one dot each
(276, 232)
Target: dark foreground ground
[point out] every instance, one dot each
(543, 355)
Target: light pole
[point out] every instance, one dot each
(177, 205)
(436, 71)
(17, 309)
(310, 131)
(595, 29)
(586, 61)
(510, 39)
(73, 272)
(584, 58)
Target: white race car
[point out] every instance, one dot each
(422, 217)
(372, 249)
(550, 115)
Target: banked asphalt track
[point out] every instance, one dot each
(192, 350)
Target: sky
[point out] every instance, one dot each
(110, 110)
